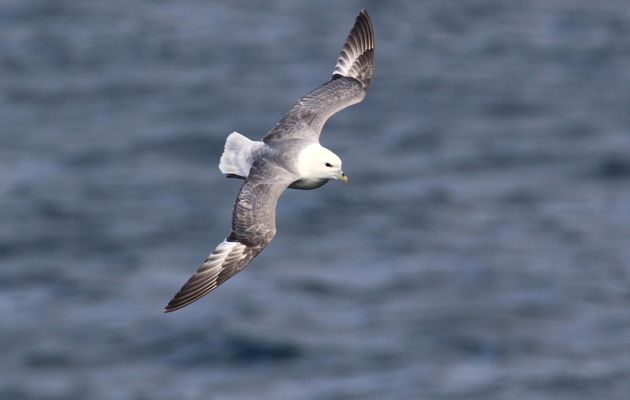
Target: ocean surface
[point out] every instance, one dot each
(481, 251)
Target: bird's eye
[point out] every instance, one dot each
(329, 165)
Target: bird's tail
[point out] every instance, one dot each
(238, 155)
(357, 55)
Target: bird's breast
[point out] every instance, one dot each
(307, 184)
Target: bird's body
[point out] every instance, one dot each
(289, 156)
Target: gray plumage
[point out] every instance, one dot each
(271, 166)
(348, 86)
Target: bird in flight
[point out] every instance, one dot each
(289, 156)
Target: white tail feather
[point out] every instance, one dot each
(238, 155)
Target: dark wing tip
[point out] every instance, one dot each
(173, 306)
(227, 259)
(357, 55)
(200, 284)
(178, 301)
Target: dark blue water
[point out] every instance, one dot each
(481, 251)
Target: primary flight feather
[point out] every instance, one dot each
(289, 156)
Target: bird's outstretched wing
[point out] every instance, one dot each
(348, 86)
(253, 227)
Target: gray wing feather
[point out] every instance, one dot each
(348, 86)
(253, 227)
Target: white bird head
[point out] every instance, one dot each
(316, 162)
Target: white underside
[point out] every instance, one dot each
(307, 184)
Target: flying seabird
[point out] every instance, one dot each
(289, 156)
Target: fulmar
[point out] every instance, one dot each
(289, 156)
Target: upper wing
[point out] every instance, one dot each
(253, 227)
(348, 86)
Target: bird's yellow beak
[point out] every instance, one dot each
(343, 178)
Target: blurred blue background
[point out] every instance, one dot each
(480, 252)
